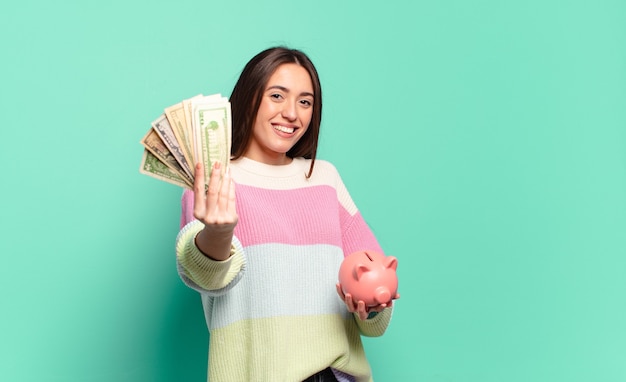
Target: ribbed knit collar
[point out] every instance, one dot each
(298, 166)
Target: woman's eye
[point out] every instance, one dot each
(276, 96)
(306, 102)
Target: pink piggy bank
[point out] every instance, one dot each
(369, 276)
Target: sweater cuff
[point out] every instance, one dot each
(207, 273)
(377, 325)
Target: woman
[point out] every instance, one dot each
(264, 243)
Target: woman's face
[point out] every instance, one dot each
(284, 115)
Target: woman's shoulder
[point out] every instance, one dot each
(324, 170)
(322, 165)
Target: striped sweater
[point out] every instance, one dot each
(272, 309)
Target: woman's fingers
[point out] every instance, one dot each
(232, 208)
(340, 292)
(224, 193)
(361, 309)
(350, 303)
(213, 189)
(214, 203)
(199, 206)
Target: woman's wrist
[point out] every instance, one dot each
(216, 247)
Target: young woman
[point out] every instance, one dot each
(264, 243)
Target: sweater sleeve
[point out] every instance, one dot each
(375, 326)
(355, 232)
(186, 203)
(357, 236)
(202, 273)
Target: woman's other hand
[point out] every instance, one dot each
(359, 307)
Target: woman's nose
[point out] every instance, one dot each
(289, 111)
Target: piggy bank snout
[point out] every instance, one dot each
(382, 295)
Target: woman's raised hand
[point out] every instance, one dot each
(215, 207)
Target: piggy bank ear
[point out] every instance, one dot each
(359, 270)
(391, 262)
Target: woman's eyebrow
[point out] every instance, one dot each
(284, 89)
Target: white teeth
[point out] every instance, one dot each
(284, 129)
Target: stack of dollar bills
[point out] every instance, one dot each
(196, 130)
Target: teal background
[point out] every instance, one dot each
(484, 142)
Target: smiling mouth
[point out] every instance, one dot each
(284, 129)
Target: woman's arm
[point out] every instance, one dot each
(209, 257)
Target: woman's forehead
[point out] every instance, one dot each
(291, 77)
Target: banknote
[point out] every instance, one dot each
(176, 117)
(152, 166)
(180, 122)
(187, 112)
(155, 145)
(163, 128)
(195, 130)
(212, 131)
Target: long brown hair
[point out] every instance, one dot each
(246, 99)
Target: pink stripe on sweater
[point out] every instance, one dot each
(299, 216)
(303, 216)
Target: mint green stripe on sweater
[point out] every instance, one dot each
(306, 275)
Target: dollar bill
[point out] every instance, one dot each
(181, 126)
(212, 127)
(188, 117)
(188, 106)
(152, 166)
(162, 127)
(153, 143)
(196, 130)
